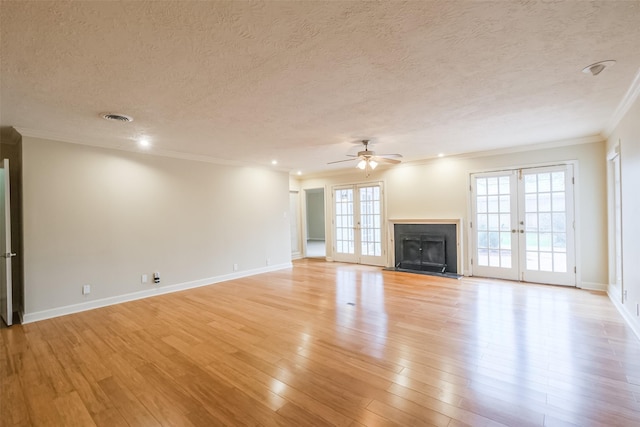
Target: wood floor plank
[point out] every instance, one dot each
(330, 344)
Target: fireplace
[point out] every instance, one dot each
(426, 246)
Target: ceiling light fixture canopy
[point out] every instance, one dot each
(598, 67)
(117, 117)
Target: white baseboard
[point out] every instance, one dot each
(296, 256)
(633, 323)
(90, 305)
(592, 286)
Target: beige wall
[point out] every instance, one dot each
(440, 189)
(104, 217)
(627, 135)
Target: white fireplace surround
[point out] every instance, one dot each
(391, 259)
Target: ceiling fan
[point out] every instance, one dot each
(368, 160)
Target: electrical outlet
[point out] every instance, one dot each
(235, 267)
(156, 277)
(144, 278)
(86, 289)
(268, 261)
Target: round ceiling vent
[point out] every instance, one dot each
(117, 117)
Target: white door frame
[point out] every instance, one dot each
(6, 254)
(357, 256)
(572, 166)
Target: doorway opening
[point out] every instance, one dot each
(315, 243)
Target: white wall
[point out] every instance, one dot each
(104, 217)
(440, 189)
(627, 134)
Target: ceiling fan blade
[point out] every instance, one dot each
(390, 156)
(340, 161)
(386, 160)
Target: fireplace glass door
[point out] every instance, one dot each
(523, 225)
(358, 219)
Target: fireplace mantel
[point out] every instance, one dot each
(455, 221)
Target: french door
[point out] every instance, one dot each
(523, 225)
(357, 224)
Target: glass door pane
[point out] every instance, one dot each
(370, 229)
(494, 219)
(344, 221)
(547, 218)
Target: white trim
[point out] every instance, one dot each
(625, 103)
(593, 286)
(631, 322)
(90, 305)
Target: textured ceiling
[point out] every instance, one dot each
(300, 81)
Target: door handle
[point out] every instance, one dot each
(9, 254)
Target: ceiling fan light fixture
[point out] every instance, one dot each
(373, 164)
(362, 164)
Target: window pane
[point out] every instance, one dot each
(483, 240)
(544, 202)
(492, 185)
(560, 262)
(505, 240)
(482, 204)
(505, 204)
(558, 202)
(559, 222)
(493, 204)
(530, 203)
(505, 222)
(532, 261)
(483, 257)
(504, 185)
(546, 261)
(530, 185)
(544, 182)
(493, 222)
(494, 240)
(532, 242)
(559, 242)
(531, 222)
(557, 179)
(482, 222)
(481, 186)
(544, 242)
(544, 221)
(505, 259)
(494, 258)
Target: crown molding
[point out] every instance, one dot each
(133, 148)
(625, 104)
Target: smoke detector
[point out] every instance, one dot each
(598, 67)
(116, 117)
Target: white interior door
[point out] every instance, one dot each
(6, 296)
(358, 219)
(524, 225)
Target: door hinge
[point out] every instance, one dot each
(573, 180)
(470, 224)
(470, 188)
(471, 261)
(575, 270)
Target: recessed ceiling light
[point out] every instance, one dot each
(274, 162)
(299, 173)
(144, 143)
(440, 154)
(117, 117)
(598, 67)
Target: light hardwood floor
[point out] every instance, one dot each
(329, 344)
